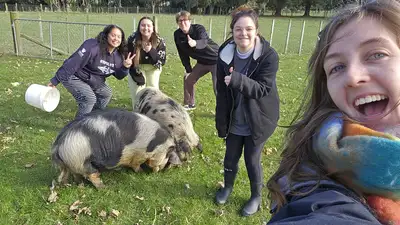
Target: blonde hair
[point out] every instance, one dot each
(185, 14)
(317, 104)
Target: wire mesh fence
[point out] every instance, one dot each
(69, 30)
(51, 39)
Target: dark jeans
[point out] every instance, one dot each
(86, 97)
(252, 153)
(198, 71)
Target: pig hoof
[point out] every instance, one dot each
(138, 169)
(156, 169)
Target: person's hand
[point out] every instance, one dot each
(128, 61)
(191, 42)
(227, 79)
(147, 46)
(51, 85)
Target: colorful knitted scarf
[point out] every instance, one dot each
(369, 160)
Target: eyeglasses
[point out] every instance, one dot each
(182, 20)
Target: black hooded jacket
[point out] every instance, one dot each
(260, 94)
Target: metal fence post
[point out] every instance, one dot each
(84, 32)
(210, 32)
(225, 26)
(288, 35)
(51, 41)
(134, 23)
(16, 30)
(40, 27)
(302, 36)
(155, 23)
(272, 32)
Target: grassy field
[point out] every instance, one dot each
(182, 195)
(74, 34)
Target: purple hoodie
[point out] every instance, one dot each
(91, 66)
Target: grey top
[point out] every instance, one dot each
(240, 125)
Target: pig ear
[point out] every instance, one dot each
(174, 159)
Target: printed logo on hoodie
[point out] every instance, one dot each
(82, 52)
(106, 68)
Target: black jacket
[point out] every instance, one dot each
(156, 57)
(205, 52)
(330, 203)
(260, 94)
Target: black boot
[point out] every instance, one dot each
(254, 203)
(224, 193)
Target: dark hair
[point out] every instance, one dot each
(102, 39)
(138, 38)
(243, 11)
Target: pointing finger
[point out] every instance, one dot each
(129, 55)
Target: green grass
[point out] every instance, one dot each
(26, 134)
(166, 27)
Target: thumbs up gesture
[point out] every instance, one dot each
(191, 42)
(227, 79)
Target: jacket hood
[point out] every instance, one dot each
(227, 51)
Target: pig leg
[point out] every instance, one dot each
(78, 178)
(163, 163)
(96, 181)
(64, 175)
(137, 160)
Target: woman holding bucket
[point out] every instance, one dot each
(149, 48)
(84, 73)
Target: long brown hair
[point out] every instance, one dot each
(154, 39)
(317, 104)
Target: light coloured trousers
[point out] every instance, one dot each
(151, 76)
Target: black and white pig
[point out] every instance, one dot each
(158, 106)
(108, 139)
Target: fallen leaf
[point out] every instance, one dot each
(15, 84)
(8, 91)
(85, 210)
(187, 186)
(220, 184)
(13, 121)
(166, 209)
(75, 205)
(103, 214)
(114, 213)
(219, 212)
(41, 130)
(53, 197)
(29, 165)
(140, 198)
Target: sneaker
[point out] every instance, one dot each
(189, 107)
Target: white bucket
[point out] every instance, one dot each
(42, 97)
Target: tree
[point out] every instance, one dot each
(278, 5)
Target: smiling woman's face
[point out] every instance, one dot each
(363, 72)
(244, 33)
